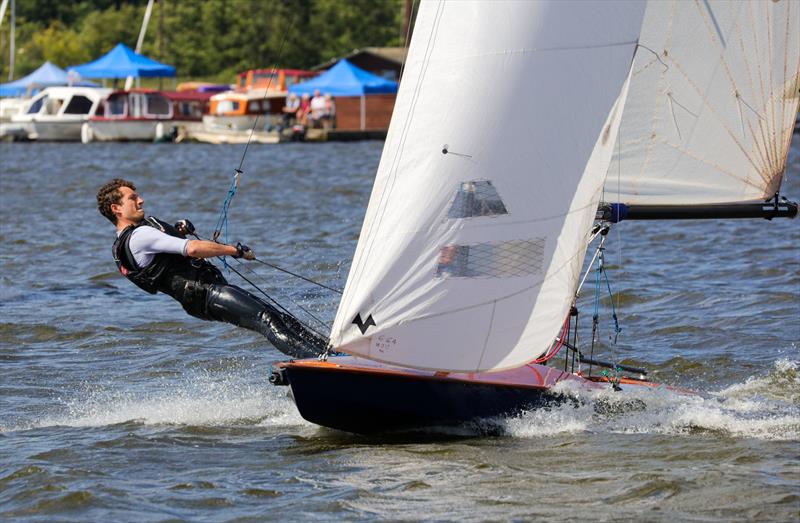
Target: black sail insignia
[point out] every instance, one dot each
(363, 325)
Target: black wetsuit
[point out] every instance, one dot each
(204, 293)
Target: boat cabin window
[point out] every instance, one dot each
(476, 198)
(53, 105)
(78, 105)
(491, 260)
(157, 105)
(190, 109)
(254, 106)
(227, 106)
(37, 105)
(116, 105)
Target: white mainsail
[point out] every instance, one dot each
(477, 225)
(712, 104)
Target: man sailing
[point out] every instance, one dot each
(158, 257)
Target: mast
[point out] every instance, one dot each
(407, 14)
(12, 36)
(142, 31)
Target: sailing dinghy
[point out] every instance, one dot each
(496, 161)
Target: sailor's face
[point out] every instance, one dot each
(130, 206)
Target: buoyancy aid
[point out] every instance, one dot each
(204, 293)
(168, 273)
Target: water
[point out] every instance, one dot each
(116, 405)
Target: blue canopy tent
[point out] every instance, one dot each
(122, 62)
(45, 76)
(345, 79)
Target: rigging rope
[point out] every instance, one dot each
(222, 220)
(309, 280)
(284, 309)
(596, 312)
(270, 298)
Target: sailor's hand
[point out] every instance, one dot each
(243, 251)
(184, 227)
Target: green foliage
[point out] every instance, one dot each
(57, 44)
(208, 39)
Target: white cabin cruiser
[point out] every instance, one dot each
(57, 113)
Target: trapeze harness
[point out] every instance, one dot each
(204, 293)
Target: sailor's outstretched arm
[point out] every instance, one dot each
(209, 249)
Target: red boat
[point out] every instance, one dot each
(146, 115)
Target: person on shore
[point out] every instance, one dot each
(318, 109)
(290, 110)
(157, 257)
(329, 119)
(304, 110)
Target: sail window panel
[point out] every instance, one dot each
(507, 259)
(476, 198)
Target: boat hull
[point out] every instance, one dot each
(126, 130)
(63, 129)
(233, 137)
(358, 396)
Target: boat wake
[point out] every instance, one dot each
(199, 399)
(766, 407)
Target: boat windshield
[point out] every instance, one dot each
(227, 106)
(37, 105)
(78, 105)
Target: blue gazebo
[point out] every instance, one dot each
(122, 62)
(45, 76)
(345, 79)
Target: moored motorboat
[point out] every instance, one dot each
(58, 113)
(241, 117)
(146, 115)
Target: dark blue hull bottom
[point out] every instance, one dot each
(370, 402)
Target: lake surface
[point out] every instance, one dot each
(115, 405)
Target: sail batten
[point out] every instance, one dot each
(490, 177)
(712, 104)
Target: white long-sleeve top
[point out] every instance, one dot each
(146, 242)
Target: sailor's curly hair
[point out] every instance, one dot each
(109, 194)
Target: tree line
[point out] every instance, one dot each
(208, 40)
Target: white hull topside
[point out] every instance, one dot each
(56, 130)
(233, 137)
(213, 123)
(136, 130)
